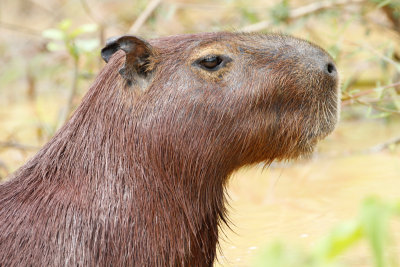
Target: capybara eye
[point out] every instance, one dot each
(212, 62)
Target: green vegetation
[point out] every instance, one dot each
(371, 227)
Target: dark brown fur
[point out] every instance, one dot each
(136, 177)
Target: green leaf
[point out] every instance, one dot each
(73, 50)
(277, 254)
(379, 115)
(334, 51)
(396, 208)
(383, 3)
(339, 240)
(53, 46)
(395, 98)
(86, 28)
(353, 91)
(87, 45)
(374, 219)
(379, 89)
(53, 34)
(280, 12)
(248, 14)
(346, 84)
(369, 112)
(65, 25)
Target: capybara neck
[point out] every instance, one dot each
(140, 191)
(136, 177)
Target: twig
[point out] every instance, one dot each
(42, 7)
(74, 88)
(349, 98)
(383, 57)
(19, 28)
(100, 22)
(17, 146)
(390, 14)
(199, 5)
(91, 14)
(5, 168)
(319, 6)
(303, 11)
(383, 146)
(377, 107)
(144, 16)
(372, 106)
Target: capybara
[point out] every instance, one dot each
(137, 175)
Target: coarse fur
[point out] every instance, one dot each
(136, 177)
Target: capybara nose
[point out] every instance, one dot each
(330, 69)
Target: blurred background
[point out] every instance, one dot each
(337, 208)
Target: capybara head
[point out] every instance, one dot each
(257, 97)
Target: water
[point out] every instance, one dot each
(299, 203)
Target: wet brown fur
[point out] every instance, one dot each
(136, 177)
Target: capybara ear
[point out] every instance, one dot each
(137, 58)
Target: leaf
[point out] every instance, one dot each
(277, 254)
(53, 46)
(248, 14)
(353, 91)
(86, 28)
(53, 34)
(339, 240)
(379, 89)
(73, 50)
(346, 84)
(383, 3)
(334, 51)
(396, 208)
(374, 219)
(379, 115)
(369, 112)
(395, 98)
(87, 45)
(280, 12)
(65, 25)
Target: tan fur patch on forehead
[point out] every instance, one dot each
(211, 49)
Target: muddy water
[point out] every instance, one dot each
(298, 203)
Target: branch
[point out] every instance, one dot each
(90, 13)
(349, 98)
(17, 146)
(19, 28)
(390, 14)
(42, 7)
(144, 16)
(299, 12)
(100, 22)
(365, 103)
(72, 93)
(383, 146)
(4, 167)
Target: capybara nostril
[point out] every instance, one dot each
(330, 69)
